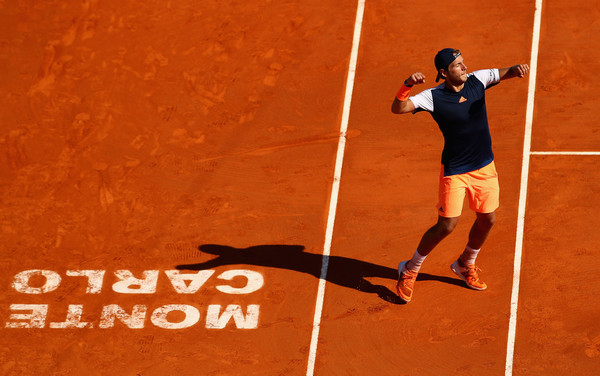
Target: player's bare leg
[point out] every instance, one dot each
(436, 234)
(481, 229)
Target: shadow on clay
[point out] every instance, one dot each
(342, 271)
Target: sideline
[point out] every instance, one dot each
(514, 300)
(339, 160)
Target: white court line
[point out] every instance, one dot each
(335, 188)
(514, 300)
(565, 153)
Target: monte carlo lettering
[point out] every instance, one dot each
(134, 316)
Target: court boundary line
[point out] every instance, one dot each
(335, 187)
(514, 299)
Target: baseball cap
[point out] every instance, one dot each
(443, 59)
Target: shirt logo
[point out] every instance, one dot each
(462, 99)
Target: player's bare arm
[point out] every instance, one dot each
(519, 70)
(406, 105)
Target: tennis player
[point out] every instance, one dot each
(458, 107)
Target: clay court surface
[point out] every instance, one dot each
(166, 173)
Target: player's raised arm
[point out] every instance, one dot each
(519, 70)
(402, 104)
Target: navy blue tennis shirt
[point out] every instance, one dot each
(462, 118)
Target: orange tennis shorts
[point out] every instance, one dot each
(481, 186)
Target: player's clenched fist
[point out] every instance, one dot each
(415, 79)
(522, 70)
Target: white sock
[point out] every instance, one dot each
(415, 262)
(469, 256)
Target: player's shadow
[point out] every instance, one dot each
(342, 271)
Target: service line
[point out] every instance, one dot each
(514, 300)
(565, 153)
(335, 187)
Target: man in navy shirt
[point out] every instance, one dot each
(458, 107)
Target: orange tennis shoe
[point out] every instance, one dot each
(468, 274)
(406, 282)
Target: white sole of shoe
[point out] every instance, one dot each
(400, 267)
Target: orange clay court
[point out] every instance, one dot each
(171, 192)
